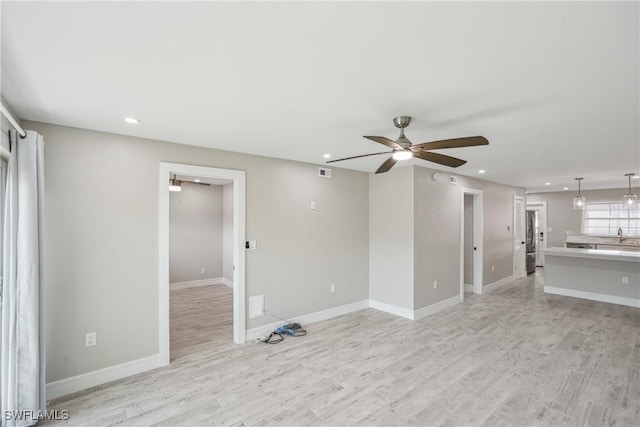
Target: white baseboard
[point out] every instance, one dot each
(260, 331)
(198, 283)
(434, 308)
(227, 282)
(393, 309)
(631, 302)
(415, 314)
(94, 378)
(468, 288)
(498, 284)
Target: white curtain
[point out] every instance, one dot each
(23, 341)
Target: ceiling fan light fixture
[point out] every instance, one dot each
(402, 155)
(579, 201)
(630, 199)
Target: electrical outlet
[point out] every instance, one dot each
(333, 288)
(625, 280)
(435, 284)
(90, 339)
(203, 271)
(493, 268)
(313, 205)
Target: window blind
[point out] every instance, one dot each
(605, 218)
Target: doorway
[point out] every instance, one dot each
(540, 229)
(166, 172)
(519, 238)
(471, 241)
(200, 264)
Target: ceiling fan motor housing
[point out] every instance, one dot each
(402, 121)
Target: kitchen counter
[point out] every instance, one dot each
(606, 254)
(607, 275)
(603, 242)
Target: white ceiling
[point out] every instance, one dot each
(553, 86)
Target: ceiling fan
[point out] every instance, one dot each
(175, 184)
(403, 149)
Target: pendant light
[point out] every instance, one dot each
(630, 199)
(174, 184)
(579, 201)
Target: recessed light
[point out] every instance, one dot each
(565, 188)
(196, 180)
(547, 183)
(326, 156)
(481, 171)
(132, 120)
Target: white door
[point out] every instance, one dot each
(541, 229)
(519, 238)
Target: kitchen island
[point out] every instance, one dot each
(608, 275)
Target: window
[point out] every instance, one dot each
(605, 218)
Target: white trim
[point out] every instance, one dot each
(393, 309)
(198, 283)
(226, 282)
(468, 288)
(541, 206)
(318, 316)
(631, 302)
(239, 215)
(523, 214)
(94, 378)
(478, 239)
(434, 308)
(499, 283)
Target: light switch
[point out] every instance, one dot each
(250, 245)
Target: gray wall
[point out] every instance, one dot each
(195, 233)
(5, 126)
(468, 239)
(101, 241)
(561, 217)
(391, 237)
(227, 232)
(415, 235)
(437, 233)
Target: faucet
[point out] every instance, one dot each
(620, 234)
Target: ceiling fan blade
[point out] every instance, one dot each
(469, 141)
(387, 165)
(356, 157)
(439, 158)
(385, 141)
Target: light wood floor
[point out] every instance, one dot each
(512, 357)
(201, 319)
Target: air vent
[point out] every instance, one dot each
(324, 172)
(453, 180)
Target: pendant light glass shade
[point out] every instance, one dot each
(579, 201)
(630, 199)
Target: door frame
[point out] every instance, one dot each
(239, 215)
(478, 239)
(541, 206)
(523, 224)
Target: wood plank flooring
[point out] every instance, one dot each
(201, 318)
(512, 357)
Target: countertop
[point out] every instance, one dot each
(605, 254)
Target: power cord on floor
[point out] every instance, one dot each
(291, 328)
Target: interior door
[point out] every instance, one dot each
(519, 238)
